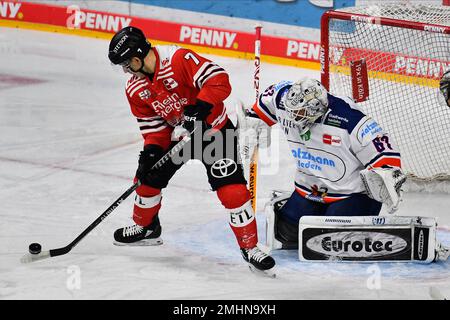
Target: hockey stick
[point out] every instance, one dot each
(254, 158)
(31, 257)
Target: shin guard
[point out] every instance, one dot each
(243, 224)
(146, 205)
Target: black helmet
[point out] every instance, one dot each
(127, 43)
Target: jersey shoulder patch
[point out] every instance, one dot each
(166, 54)
(136, 87)
(343, 113)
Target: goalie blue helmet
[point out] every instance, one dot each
(305, 102)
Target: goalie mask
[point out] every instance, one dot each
(305, 102)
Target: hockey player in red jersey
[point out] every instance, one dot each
(174, 91)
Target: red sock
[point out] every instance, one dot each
(236, 198)
(146, 205)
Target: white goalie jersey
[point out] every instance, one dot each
(330, 156)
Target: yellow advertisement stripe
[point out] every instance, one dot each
(394, 77)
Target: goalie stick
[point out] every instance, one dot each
(28, 258)
(254, 158)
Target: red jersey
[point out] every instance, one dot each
(181, 77)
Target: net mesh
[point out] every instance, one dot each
(404, 69)
(411, 12)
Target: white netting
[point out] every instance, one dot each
(404, 67)
(410, 12)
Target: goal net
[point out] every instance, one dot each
(389, 59)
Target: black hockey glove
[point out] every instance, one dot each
(147, 159)
(445, 87)
(195, 116)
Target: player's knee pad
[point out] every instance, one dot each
(146, 205)
(233, 195)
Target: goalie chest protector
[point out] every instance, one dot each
(367, 239)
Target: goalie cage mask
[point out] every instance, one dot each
(306, 101)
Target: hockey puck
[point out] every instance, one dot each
(35, 248)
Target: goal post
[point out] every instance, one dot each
(389, 59)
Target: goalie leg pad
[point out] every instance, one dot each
(271, 210)
(282, 215)
(367, 239)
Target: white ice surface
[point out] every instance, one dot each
(68, 149)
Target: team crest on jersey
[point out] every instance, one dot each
(145, 94)
(317, 194)
(170, 84)
(165, 62)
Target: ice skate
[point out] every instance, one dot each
(259, 262)
(136, 235)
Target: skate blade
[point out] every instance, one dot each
(263, 273)
(142, 243)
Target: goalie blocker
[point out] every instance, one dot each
(368, 239)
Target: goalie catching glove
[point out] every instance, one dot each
(384, 185)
